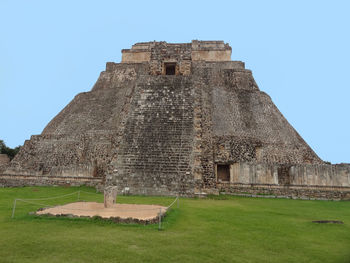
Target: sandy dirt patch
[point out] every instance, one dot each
(90, 209)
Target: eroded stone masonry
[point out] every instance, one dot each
(176, 119)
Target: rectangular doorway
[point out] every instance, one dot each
(223, 172)
(170, 68)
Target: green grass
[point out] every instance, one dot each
(217, 229)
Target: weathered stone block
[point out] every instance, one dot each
(110, 196)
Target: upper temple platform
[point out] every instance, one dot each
(176, 58)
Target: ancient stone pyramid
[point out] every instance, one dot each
(170, 118)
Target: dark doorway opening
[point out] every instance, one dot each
(170, 68)
(283, 175)
(223, 172)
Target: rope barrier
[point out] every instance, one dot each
(160, 219)
(50, 198)
(124, 210)
(176, 199)
(39, 199)
(90, 193)
(32, 203)
(25, 201)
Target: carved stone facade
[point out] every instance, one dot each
(174, 119)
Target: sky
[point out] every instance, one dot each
(298, 51)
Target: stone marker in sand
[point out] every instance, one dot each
(110, 196)
(127, 213)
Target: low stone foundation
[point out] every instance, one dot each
(287, 191)
(36, 180)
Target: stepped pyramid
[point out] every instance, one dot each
(169, 119)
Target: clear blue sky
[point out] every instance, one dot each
(299, 52)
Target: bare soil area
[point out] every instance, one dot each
(90, 209)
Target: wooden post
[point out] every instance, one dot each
(160, 219)
(14, 208)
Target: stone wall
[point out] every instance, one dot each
(179, 54)
(195, 51)
(323, 175)
(4, 159)
(139, 52)
(138, 56)
(288, 191)
(310, 181)
(243, 131)
(210, 51)
(300, 174)
(80, 155)
(7, 180)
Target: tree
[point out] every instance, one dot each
(7, 150)
(2, 145)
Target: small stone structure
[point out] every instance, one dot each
(4, 161)
(110, 196)
(176, 119)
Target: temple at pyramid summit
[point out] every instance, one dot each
(176, 119)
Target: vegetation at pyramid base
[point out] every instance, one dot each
(11, 152)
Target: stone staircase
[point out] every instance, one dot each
(154, 156)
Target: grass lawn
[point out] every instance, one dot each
(235, 229)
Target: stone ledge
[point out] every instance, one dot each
(15, 176)
(303, 192)
(276, 186)
(28, 180)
